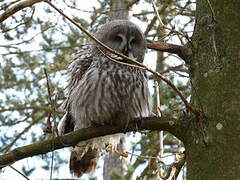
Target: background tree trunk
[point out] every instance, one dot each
(215, 68)
(114, 165)
(119, 9)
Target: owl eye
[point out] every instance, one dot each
(117, 39)
(133, 41)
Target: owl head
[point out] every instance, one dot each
(124, 37)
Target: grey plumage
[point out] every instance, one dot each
(103, 92)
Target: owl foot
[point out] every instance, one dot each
(120, 153)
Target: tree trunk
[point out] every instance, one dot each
(215, 75)
(119, 9)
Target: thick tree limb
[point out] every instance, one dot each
(17, 7)
(162, 46)
(150, 123)
(166, 47)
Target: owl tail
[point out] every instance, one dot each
(83, 161)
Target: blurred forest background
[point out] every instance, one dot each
(39, 38)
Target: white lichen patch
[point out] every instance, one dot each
(171, 123)
(205, 74)
(219, 126)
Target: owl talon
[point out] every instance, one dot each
(109, 148)
(120, 153)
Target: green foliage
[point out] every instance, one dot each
(116, 176)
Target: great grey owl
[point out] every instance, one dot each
(103, 92)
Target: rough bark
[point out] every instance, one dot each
(215, 68)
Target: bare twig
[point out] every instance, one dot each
(9, 146)
(157, 14)
(172, 30)
(91, 36)
(211, 8)
(17, 7)
(15, 45)
(22, 108)
(119, 62)
(24, 22)
(154, 19)
(189, 106)
(150, 25)
(192, 109)
(178, 165)
(131, 3)
(19, 172)
(48, 128)
(159, 114)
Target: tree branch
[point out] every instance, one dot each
(166, 47)
(17, 7)
(131, 3)
(171, 125)
(184, 52)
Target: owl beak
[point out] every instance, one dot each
(125, 51)
(128, 53)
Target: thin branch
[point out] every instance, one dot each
(150, 25)
(157, 14)
(178, 165)
(171, 125)
(131, 3)
(172, 30)
(192, 109)
(154, 19)
(212, 11)
(24, 22)
(15, 45)
(19, 172)
(39, 50)
(119, 62)
(48, 128)
(23, 108)
(91, 36)
(5, 149)
(17, 7)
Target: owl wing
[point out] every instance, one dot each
(77, 69)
